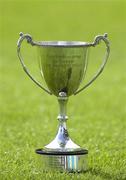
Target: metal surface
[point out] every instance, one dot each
(63, 65)
(62, 141)
(62, 153)
(96, 42)
(29, 40)
(62, 162)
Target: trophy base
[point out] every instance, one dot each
(71, 161)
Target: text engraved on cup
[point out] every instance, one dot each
(64, 60)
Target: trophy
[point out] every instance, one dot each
(63, 65)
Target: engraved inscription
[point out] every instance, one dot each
(63, 60)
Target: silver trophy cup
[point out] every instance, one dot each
(63, 65)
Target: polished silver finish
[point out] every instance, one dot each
(97, 41)
(63, 163)
(63, 64)
(29, 40)
(62, 154)
(62, 141)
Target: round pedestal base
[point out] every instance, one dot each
(74, 161)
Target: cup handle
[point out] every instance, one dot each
(30, 41)
(96, 42)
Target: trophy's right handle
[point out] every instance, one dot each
(29, 40)
(96, 42)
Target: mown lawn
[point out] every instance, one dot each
(97, 117)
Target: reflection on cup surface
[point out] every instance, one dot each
(63, 65)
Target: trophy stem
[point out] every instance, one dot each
(62, 153)
(62, 135)
(62, 99)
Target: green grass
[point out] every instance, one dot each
(97, 117)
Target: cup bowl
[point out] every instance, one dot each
(62, 64)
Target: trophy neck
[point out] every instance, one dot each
(62, 99)
(62, 141)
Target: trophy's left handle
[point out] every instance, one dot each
(96, 42)
(30, 41)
